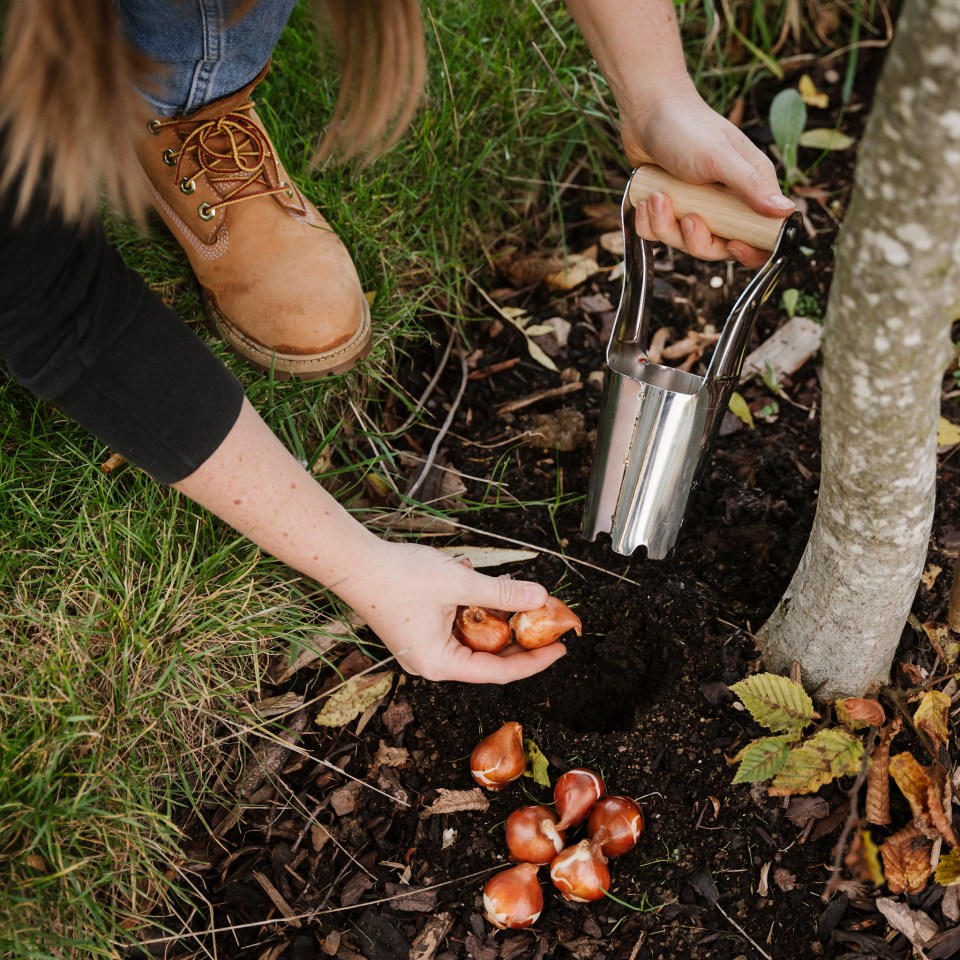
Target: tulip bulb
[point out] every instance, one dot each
(513, 898)
(579, 874)
(499, 759)
(481, 629)
(532, 834)
(615, 825)
(574, 795)
(546, 624)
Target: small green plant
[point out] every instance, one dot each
(788, 117)
(795, 762)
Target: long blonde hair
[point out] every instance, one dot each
(68, 103)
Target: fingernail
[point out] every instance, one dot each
(780, 202)
(534, 594)
(656, 202)
(686, 225)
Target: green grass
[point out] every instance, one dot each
(133, 626)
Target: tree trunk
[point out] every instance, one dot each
(886, 343)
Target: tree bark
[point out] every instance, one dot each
(886, 343)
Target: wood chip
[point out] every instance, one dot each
(915, 925)
(397, 717)
(411, 899)
(269, 760)
(343, 800)
(429, 939)
(786, 351)
(274, 894)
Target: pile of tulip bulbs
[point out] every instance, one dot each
(537, 835)
(490, 631)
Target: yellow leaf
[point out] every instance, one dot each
(354, 697)
(948, 870)
(931, 716)
(929, 576)
(863, 860)
(948, 434)
(827, 755)
(825, 138)
(810, 95)
(537, 764)
(738, 407)
(913, 781)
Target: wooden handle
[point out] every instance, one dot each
(724, 213)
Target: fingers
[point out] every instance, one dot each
(468, 666)
(656, 221)
(753, 177)
(504, 593)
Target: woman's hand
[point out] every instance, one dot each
(680, 133)
(408, 595)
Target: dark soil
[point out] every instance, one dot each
(722, 871)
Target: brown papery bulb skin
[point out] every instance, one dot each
(513, 898)
(480, 629)
(574, 795)
(545, 625)
(579, 874)
(532, 835)
(499, 759)
(615, 825)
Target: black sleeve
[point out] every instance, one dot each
(80, 329)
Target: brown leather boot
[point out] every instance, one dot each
(277, 282)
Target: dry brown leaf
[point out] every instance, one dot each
(613, 243)
(803, 809)
(939, 817)
(913, 780)
(863, 859)
(929, 576)
(605, 216)
(457, 801)
(387, 756)
(855, 712)
(576, 269)
(878, 777)
(906, 860)
(526, 269)
(112, 462)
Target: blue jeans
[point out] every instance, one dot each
(203, 54)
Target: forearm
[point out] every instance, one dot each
(258, 487)
(637, 46)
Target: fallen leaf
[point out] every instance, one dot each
(387, 756)
(855, 713)
(612, 242)
(906, 860)
(948, 434)
(526, 269)
(482, 557)
(937, 815)
(536, 351)
(827, 755)
(740, 408)
(537, 764)
(810, 95)
(825, 138)
(762, 759)
(457, 801)
(863, 859)
(929, 576)
(775, 702)
(343, 800)
(411, 899)
(112, 462)
(804, 809)
(878, 777)
(397, 717)
(354, 697)
(931, 716)
(577, 268)
(915, 925)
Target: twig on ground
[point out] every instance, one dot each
(743, 933)
(853, 818)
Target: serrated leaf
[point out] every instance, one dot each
(739, 407)
(537, 353)
(826, 756)
(776, 702)
(457, 801)
(825, 138)
(931, 716)
(490, 556)
(948, 869)
(948, 434)
(856, 713)
(863, 860)
(877, 806)
(354, 697)
(537, 764)
(762, 759)
(906, 860)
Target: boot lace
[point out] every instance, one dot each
(231, 151)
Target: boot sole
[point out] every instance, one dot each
(285, 366)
